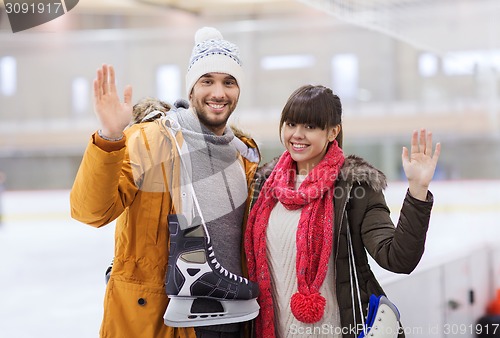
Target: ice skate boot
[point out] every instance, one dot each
(193, 274)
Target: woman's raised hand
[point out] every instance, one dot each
(113, 114)
(420, 163)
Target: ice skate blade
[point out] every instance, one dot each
(178, 313)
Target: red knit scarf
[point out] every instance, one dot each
(314, 235)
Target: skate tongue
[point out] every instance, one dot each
(196, 221)
(183, 221)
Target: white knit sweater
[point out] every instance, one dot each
(281, 253)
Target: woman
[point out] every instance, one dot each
(296, 236)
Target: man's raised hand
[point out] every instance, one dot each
(113, 114)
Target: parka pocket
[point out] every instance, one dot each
(134, 310)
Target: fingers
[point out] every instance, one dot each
(105, 81)
(97, 92)
(422, 140)
(112, 84)
(437, 152)
(414, 142)
(404, 155)
(127, 95)
(98, 84)
(428, 148)
(428, 144)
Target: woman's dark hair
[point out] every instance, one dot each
(314, 105)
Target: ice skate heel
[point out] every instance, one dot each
(194, 276)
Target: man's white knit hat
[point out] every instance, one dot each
(213, 54)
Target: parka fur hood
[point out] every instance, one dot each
(357, 170)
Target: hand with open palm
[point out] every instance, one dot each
(113, 114)
(420, 163)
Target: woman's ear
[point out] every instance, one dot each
(333, 132)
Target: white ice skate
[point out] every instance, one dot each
(195, 278)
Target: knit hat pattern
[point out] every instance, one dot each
(213, 54)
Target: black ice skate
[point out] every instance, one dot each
(193, 274)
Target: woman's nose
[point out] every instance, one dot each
(298, 132)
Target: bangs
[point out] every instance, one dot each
(311, 105)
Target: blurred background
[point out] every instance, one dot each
(397, 65)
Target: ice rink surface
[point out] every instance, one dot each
(52, 267)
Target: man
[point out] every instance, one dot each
(138, 177)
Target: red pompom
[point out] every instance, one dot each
(308, 309)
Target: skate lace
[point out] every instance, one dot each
(222, 270)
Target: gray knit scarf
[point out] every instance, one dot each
(220, 185)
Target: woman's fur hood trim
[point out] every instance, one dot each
(354, 170)
(357, 170)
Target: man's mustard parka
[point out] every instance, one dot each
(134, 181)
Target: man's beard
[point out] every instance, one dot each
(203, 115)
